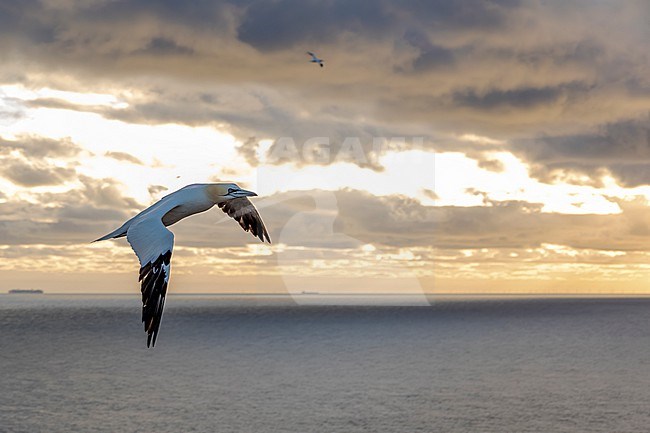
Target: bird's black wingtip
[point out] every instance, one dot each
(151, 340)
(264, 237)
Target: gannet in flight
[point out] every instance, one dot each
(315, 59)
(153, 243)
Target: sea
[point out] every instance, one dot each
(79, 363)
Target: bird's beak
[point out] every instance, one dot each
(244, 193)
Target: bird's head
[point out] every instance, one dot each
(220, 192)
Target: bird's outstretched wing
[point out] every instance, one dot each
(311, 54)
(243, 211)
(153, 244)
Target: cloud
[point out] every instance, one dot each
(278, 25)
(105, 193)
(527, 57)
(518, 98)
(40, 147)
(160, 46)
(343, 233)
(558, 92)
(267, 114)
(77, 215)
(11, 110)
(282, 24)
(29, 161)
(514, 70)
(155, 190)
(248, 150)
(399, 222)
(123, 156)
(325, 219)
(430, 55)
(28, 174)
(620, 148)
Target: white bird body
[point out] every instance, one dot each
(153, 243)
(172, 208)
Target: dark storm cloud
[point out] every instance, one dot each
(622, 141)
(623, 148)
(430, 55)
(632, 174)
(278, 25)
(199, 14)
(281, 24)
(462, 14)
(518, 98)
(508, 69)
(89, 36)
(162, 47)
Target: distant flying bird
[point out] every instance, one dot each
(315, 59)
(153, 243)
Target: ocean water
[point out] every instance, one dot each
(248, 364)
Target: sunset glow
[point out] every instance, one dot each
(518, 160)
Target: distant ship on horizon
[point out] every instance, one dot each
(25, 292)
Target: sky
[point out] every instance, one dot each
(447, 145)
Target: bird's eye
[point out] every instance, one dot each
(230, 190)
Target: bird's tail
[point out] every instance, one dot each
(118, 233)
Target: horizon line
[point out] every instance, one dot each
(591, 294)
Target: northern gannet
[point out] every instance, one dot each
(315, 59)
(153, 243)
